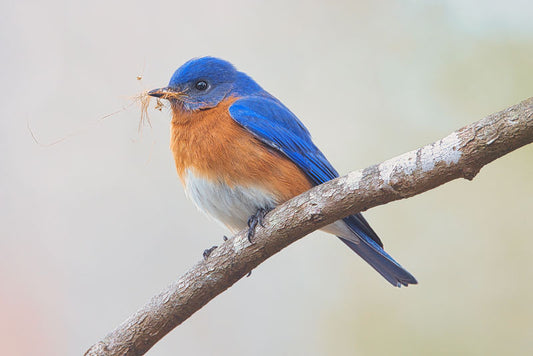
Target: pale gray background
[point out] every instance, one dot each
(91, 227)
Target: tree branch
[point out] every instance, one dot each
(459, 155)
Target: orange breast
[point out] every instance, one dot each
(217, 148)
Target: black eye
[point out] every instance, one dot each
(201, 85)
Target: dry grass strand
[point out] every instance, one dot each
(76, 132)
(142, 98)
(144, 101)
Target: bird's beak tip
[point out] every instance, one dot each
(157, 93)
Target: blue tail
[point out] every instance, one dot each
(370, 249)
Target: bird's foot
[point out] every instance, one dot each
(208, 252)
(255, 219)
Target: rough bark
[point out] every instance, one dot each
(459, 155)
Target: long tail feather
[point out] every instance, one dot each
(375, 256)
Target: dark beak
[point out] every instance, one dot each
(162, 92)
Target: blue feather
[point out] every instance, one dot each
(276, 126)
(370, 251)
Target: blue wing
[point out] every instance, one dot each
(276, 126)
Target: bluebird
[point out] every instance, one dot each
(240, 152)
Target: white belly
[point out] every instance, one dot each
(232, 206)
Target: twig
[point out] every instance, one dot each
(459, 155)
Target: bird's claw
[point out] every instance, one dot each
(208, 252)
(255, 219)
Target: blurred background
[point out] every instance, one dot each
(93, 226)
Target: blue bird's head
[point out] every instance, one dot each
(202, 83)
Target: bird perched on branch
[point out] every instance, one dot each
(240, 152)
